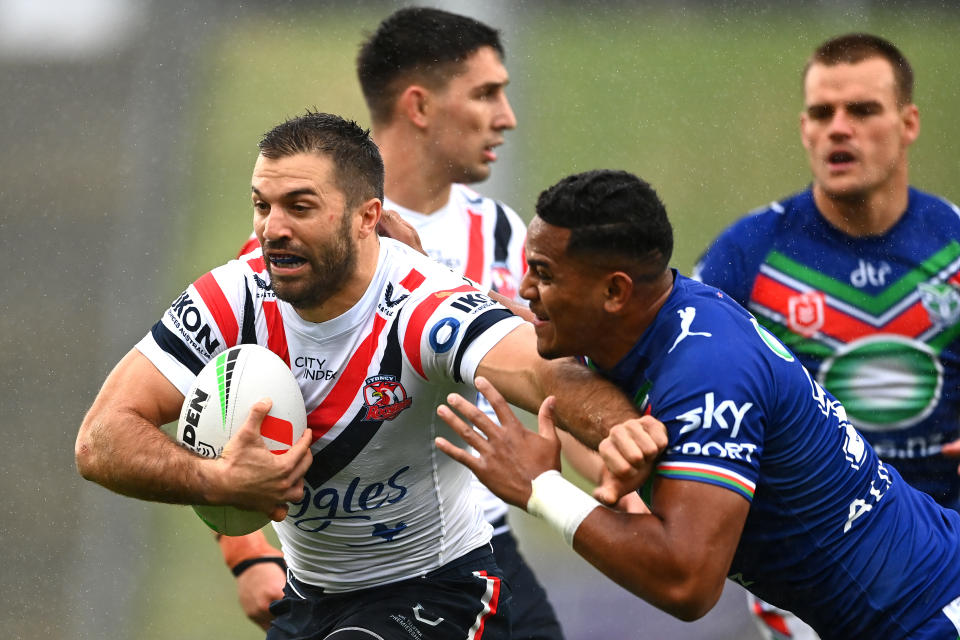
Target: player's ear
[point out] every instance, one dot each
(618, 287)
(369, 213)
(414, 103)
(911, 122)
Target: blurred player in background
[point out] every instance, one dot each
(434, 83)
(860, 273)
(763, 480)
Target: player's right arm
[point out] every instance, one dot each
(677, 557)
(120, 446)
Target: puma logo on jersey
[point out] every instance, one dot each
(687, 314)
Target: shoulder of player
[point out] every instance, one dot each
(762, 222)
(932, 204)
(484, 204)
(699, 318)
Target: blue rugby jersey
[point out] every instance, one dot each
(833, 534)
(875, 319)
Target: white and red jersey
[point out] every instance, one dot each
(482, 239)
(381, 503)
(473, 235)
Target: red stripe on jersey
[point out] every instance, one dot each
(412, 280)
(257, 264)
(955, 279)
(523, 256)
(418, 320)
(248, 246)
(474, 268)
(490, 602)
(345, 390)
(219, 308)
(774, 295)
(276, 335)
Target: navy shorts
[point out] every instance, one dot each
(533, 616)
(466, 598)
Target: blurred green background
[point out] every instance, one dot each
(127, 176)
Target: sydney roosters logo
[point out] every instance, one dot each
(384, 397)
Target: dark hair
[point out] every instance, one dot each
(356, 157)
(417, 44)
(611, 214)
(857, 47)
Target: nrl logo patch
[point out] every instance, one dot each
(806, 313)
(942, 302)
(384, 398)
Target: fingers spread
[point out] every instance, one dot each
(463, 457)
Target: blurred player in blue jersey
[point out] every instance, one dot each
(764, 479)
(435, 86)
(860, 273)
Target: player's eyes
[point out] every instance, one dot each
(864, 110)
(819, 113)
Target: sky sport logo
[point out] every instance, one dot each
(384, 397)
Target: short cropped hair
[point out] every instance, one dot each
(417, 45)
(612, 215)
(358, 167)
(857, 47)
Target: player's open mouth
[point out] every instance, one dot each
(286, 260)
(489, 154)
(840, 157)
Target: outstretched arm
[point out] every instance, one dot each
(586, 404)
(121, 447)
(677, 557)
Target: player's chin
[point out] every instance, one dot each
(547, 348)
(476, 173)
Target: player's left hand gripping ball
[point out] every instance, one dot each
(219, 402)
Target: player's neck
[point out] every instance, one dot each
(410, 178)
(625, 329)
(871, 215)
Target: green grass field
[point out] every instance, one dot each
(704, 104)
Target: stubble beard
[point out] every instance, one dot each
(331, 269)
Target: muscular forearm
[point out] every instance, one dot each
(587, 405)
(128, 455)
(634, 551)
(120, 444)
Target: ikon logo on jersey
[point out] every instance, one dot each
(806, 313)
(384, 398)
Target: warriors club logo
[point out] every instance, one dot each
(806, 313)
(384, 398)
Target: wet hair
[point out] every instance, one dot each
(857, 47)
(358, 167)
(417, 45)
(612, 216)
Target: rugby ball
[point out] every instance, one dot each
(219, 402)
